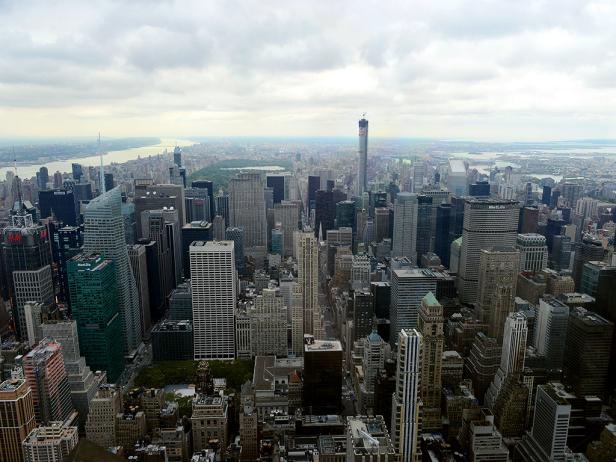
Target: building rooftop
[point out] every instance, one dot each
(323, 345)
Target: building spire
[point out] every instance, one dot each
(102, 169)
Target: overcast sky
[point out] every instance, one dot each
(472, 69)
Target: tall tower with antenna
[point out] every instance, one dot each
(362, 174)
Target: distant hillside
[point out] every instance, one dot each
(220, 175)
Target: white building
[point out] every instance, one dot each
(533, 252)
(214, 297)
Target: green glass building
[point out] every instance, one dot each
(95, 307)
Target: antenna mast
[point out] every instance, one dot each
(102, 168)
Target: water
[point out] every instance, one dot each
(29, 171)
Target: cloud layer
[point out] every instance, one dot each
(474, 69)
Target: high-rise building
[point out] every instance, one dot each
(587, 352)
(247, 208)
(199, 231)
(104, 234)
(486, 443)
(373, 363)
(363, 314)
(94, 299)
(26, 259)
(442, 244)
(424, 226)
(547, 439)
(512, 356)
(268, 325)
(197, 205)
(287, 214)
(533, 252)
(59, 203)
(82, 382)
(277, 184)
(308, 279)
(457, 182)
(405, 226)
(590, 249)
(53, 442)
(222, 208)
(430, 325)
(406, 402)
(381, 223)
(237, 236)
(314, 184)
(16, 418)
(498, 275)
(172, 341)
(295, 305)
(44, 371)
(67, 242)
(157, 197)
(551, 331)
(408, 288)
(101, 426)
(209, 187)
(362, 170)
(367, 438)
(482, 363)
(488, 223)
(322, 376)
(214, 296)
(139, 264)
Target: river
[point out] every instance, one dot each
(29, 171)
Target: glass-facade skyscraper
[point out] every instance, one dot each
(104, 233)
(94, 300)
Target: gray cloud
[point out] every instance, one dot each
(427, 67)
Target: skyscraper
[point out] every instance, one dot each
(533, 252)
(247, 208)
(406, 400)
(45, 373)
(551, 330)
(94, 299)
(139, 265)
(362, 173)
(26, 257)
(590, 249)
(322, 376)
(408, 287)
(104, 233)
(268, 327)
(16, 418)
(547, 439)
(308, 279)
(587, 352)
(498, 275)
(287, 214)
(430, 325)
(405, 226)
(424, 225)
(237, 236)
(61, 204)
(488, 223)
(214, 296)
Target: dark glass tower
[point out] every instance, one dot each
(59, 203)
(314, 183)
(209, 185)
(441, 239)
(424, 223)
(276, 182)
(94, 303)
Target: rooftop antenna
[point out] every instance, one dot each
(102, 169)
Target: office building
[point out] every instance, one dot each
(424, 237)
(512, 356)
(67, 242)
(308, 280)
(363, 314)
(482, 363)
(405, 226)
(82, 382)
(375, 350)
(137, 255)
(214, 296)
(104, 234)
(51, 443)
(408, 288)
(406, 402)
(44, 371)
(26, 260)
(247, 208)
(533, 252)
(196, 231)
(325, 210)
(590, 249)
(172, 341)
(362, 170)
(442, 244)
(485, 442)
(551, 331)
(209, 187)
(163, 227)
(59, 203)
(237, 235)
(16, 418)
(322, 392)
(287, 214)
(210, 421)
(180, 303)
(94, 298)
(157, 197)
(101, 426)
(456, 177)
(277, 184)
(498, 275)
(131, 427)
(198, 205)
(430, 325)
(587, 352)
(33, 287)
(268, 324)
(488, 223)
(547, 440)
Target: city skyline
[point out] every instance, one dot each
(531, 71)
